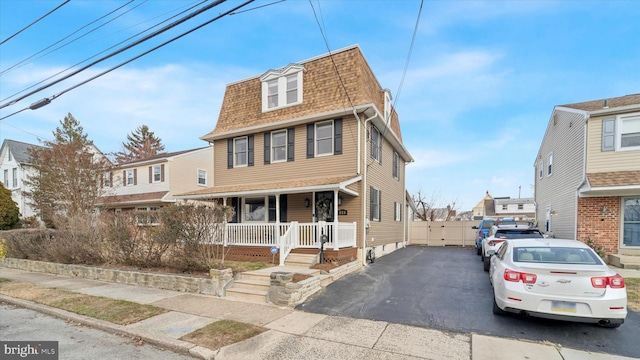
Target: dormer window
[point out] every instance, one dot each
(281, 88)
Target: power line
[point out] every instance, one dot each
(81, 36)
(406, 65)
(103, 51)
(46, 101)
(28, 26)
(138, 42)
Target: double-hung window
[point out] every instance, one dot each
(550, 164)
(106, 179)
(540, 169)
(324, 138)
(630, 131)
(282, 87)
(397, 211)
(130, 177)
(279, 146)
(157, 173)
(15, 177)
(6, 178)
(375, 204)
(202, 177)
(376, 141)
(240, 151)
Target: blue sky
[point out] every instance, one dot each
(480, 86)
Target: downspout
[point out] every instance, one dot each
(364, 189)
(584, 175)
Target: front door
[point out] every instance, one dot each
(324, 206)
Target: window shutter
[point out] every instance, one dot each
(229, 153)
(250, 150)
(395, 165)
(124, 178)
(150, 174)
(337, 136)
(608, 134)
(267, 148)
(111, 184)
(379, 205)
(372, 193)
(310, 140)
(162, 173)
(395, 210)
(135, 176)
(290, 144)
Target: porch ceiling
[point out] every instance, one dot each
(339, 183)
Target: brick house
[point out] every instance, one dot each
(310, 149)
(587, 181)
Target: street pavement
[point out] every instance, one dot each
(292, 334)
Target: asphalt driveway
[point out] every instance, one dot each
(445, 288)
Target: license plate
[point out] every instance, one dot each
(563, 306)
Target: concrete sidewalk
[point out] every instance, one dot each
(292, 334)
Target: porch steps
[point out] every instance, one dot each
(301, 260)
(252, 286)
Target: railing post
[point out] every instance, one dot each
(336, 245)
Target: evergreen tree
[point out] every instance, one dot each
(9, 212)
(68, 173)
(141, 144)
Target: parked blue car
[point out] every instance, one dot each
(484, 227)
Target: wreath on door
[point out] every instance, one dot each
(322, 208)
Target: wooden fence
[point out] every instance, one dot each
(443, 233)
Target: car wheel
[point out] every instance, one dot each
(496, 309)
(486, 264)
(610, 325)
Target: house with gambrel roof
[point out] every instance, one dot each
(587, 180)
(310, 156)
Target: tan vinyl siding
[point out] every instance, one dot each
(182, 172)
(607, 161)
(301, 167)
(565, 140)
(386, 231)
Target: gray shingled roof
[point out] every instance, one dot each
(19, 150)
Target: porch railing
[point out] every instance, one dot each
(288, 236)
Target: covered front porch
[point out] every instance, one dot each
(302, 216)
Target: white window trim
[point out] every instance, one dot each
(153, 173)
(316, 140)
(130, 175)
(273, 152)
(397, 212)
(376, 214)
(235, 164)
(549, 169)
(540, 169)
(396, 159)
(281, 77)
(618, 132)
(106, 179)
(198, 172)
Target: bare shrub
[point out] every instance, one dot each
(77, 241)
(28, 243)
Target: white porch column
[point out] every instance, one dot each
(335, 220)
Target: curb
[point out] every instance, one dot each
(178, 346)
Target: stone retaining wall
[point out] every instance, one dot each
(174, 282)
(345, 269)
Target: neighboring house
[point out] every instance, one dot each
(520, 209)
(150, 183)
(15, 167)
(587, 181)
(311, 149)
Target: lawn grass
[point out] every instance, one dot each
(115, 311)
(222, 333)
(633, 293)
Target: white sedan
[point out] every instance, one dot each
(556, 279)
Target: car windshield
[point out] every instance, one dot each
(518, 234)
(556, 255)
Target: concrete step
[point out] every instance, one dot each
(251, 284)
(301, 260)
(624, 261)
(256, 275)
(256, 296)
